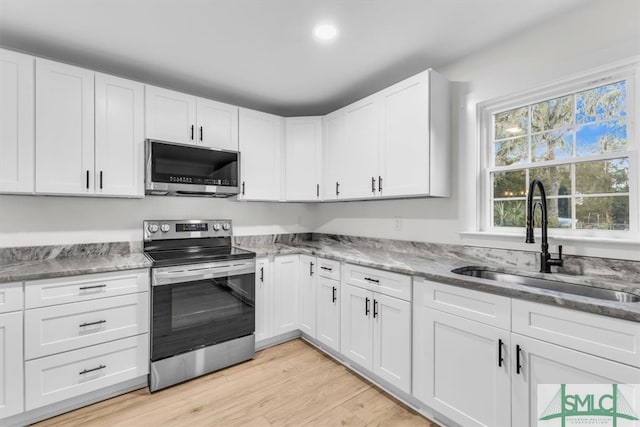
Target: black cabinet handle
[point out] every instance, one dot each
(326, 268)
(192, 129)
(380, 184)
(311, 269)
(317, 190)
(373, 185)
(99, 322)
(375, 308)
(87, 179)
(369, 279)
(200, 133)
(243, 188)
(86, 371)
(333, 294)
(85, 288)
(101, 180)
(500, 359)
(262, 274)
(337, 188)
(518, 365)
(366, 306)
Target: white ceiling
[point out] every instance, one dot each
(260, 53)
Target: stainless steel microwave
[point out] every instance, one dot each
(187, 170)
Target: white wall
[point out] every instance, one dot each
(602, 32)
(44, 220)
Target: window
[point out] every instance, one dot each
(578, 139)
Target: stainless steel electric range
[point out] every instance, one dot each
(203, 299)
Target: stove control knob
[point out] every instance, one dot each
(226, 226)
(165, 228)
(153, 228)
(216, 227)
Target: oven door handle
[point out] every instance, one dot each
(169, 276)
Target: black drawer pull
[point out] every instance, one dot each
(366, 306)
(333, 294)
(101, 180)
(311, 269)
(262, 274)
(500, 358)
(87, 179)
(99, 322)
(85, 288)
(369, 279)
(86, 371)
(373, 185)
(243, 188)
(192, 129)
(375, 308)
(518, 364)
(337, 188)
(380, 184)
(200, 133)
(317, 190)
(326, 268)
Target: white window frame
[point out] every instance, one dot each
(627, 70)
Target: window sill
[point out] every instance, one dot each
(587, 240)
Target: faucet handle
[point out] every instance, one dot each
(557, 261)
(560, 252)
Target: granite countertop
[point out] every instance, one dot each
(71, 266)
(438, 268)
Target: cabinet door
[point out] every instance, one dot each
(333, 154)
(329, 297)
(11, 364)
(404, 157)
(119, 136)
(170, 115)
(392, 340)
(356, 326)
(307, 293)
(303, 142)
(285, 294)
(259, 140)
(17, 141)
(64, 129)
(361, 149)
(544, 363)
(264, 300)
(458, 371)
(217, 124)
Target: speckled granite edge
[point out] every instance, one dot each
(48, 252)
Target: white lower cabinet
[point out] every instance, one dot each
(307, 295)
(376, 334)
(74, 373)
(264, 300)
(328, 313)
(285, 294)
(11, 364)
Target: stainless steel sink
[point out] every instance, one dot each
(554, 285)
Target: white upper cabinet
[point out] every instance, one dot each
(17, 118)
(414, 149)
(361, 149)
(260, 139)
(64, 129)
(178, 117)
(217, 124)
(170, 115)
(303, 138)
(333, 158)
(119, 139)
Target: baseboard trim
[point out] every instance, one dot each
(278, 339)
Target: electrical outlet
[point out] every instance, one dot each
(397, 224)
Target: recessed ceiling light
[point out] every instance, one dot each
(325, 32)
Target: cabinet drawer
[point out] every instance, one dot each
(392, 284)
(63, 376)
(41, 293)
(50, 330)
(494, 310)
(614, 339)
(11, 297)
(329, 268)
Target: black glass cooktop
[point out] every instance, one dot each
(195, 255)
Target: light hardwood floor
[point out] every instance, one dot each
(292, 384)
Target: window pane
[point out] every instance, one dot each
(603, 213)
(556, 179)
(509, 213)
(551, 146)
(608, 176)
(509, 184)
(601, 103)
(511, 123)
(552, 114)
(601, 138)
(511, 151)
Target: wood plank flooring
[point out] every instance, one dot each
(292, 384)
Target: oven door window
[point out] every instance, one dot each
(191, 315)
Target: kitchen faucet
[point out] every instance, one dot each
(545, 257)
